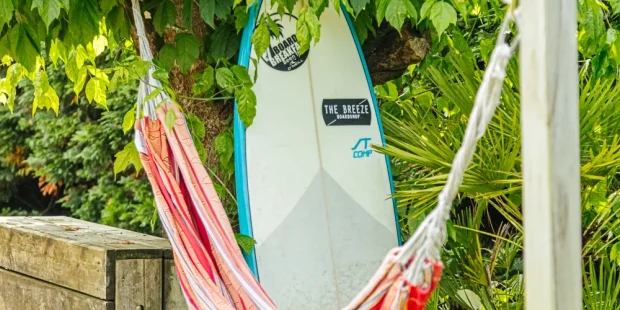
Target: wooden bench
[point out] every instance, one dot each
(61, 263)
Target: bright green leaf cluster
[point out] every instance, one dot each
(246, 243)
(128, 156)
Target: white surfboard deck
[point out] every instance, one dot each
(314, 195)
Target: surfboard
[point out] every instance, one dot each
(311, 190)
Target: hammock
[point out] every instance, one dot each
(210, 266)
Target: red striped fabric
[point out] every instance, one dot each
(209, 264)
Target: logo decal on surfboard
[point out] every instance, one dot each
(361, 148)
(346, 112)
(283, 51)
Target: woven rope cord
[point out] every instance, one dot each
(427, 241)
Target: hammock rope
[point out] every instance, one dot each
(210, 266)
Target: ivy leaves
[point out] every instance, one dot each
(6, 12)
(211, 8)
(49, 10)
(165, 15)
(442, 15)
(25, 45)
(128, 156)
(84, 21)
(397, 11)
(308, 29)
(234, 81)
(187, 50)
(260, 38)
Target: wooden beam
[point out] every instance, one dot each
(139, 284)
(550, 149)
(19, 292)
(75, 254)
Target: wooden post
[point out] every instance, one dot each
(550, 148)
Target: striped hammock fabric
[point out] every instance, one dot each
(210, 266)
(209, 263)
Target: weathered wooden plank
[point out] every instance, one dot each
(55, 249)
(18, 292)
(139, 284)
(550, 147)
(173, 296)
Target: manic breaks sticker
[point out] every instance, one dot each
(346, 112)
(283, 51)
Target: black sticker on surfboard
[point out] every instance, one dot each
(283, 51)
(346, 112)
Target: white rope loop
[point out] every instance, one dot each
(427, 241)
(148, 84)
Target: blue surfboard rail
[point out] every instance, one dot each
(241, 182)
(241, 172)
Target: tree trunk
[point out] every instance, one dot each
(388, 55)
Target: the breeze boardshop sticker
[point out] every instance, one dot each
(346, 112)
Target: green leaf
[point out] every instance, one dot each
(129, 119)
(273, 27)
(225, 79)
(117, 23)
(96, 90)
(187, 51)
(224, 147)
(223, 8)
(207, 11)
(44, 95)
(359, 5)
(57, 51)
(242, 75)
(303, 36)
(187, 12)
(25, 45)
(611, 36)
(425, 9)
(241, 18)
(165, 15)
(224, 42)
(395, 13)
(170, 119)
(451, 230)
(246, 243)
(442, 15)
(615, 5)
(260, 39)
(380, 10)
(107, 5)
(128, 156)
(195, 125)
(287, 4)
(83, 21)
(246, 105)
(153, 94)
(49, 10)
(205, 83)
(80, 80)
(461, 5)
(167, 55)
(313, 25)
(197, 130)
(6, 12)
(614, 254)
(362, 24)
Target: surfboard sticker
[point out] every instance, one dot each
(283, 51)
(311, 190)
(347, 112)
